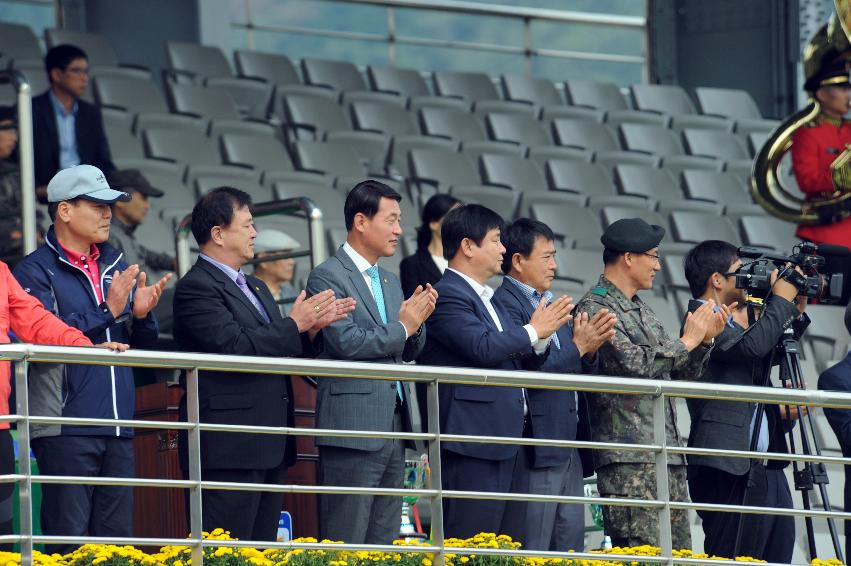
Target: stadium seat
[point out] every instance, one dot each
(756, 140)
(720, 145)
(329, 158)
(531, 90)
(234, 177)
(381, 117)
(441, 168)
(578, 177)
(650, 183)
(133, 95)
(611, 159)
(676, 164)
(504, 202)
(181, 146)
(584, 134)
(467, 85)
(598, 202)
(473, 149)
(605, 96)
(418, 102)
(550, 113)
(196, 61)
(336, 75)
(695, 227)
(329, 201)
(556, 198)
(18, 44)
(122, 143)
(612, 214)
(254, 151)
(518, 129)
(349, 97)
(735, 104)
(578, 224)
(395, 80)
(827, 334)
(370, 147)
(664, 311)
(450, 123)
(768, 232)
(543, 153)
(273, 68)
(99, 51)
(484, 107)
(253, 99)
(673, 270)
(664, 99)
(578, 265)
(513, 172)
(37, 77)
(714, 186)
(202, 102)
(650, 139)
(615, 118)
(309, 117)
(396, 160)
(168, 177)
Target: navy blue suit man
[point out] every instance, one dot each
(838, 378)
(467, 329)
(529, 265)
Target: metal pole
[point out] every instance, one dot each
(435, 465)
(194, 445)
(528, 52)
(182, 252)
(26, 161)
(391, 36)
(318, 250)
(25, 484)
(662, 491)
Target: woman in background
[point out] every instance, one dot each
(427, 264)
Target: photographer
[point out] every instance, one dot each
(739, 358)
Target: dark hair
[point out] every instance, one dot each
(53, 207)
(706, 258)
(610, 256)
(8, 113)
(519, 238)
(472, 221)
(60, 57)
(435, 208)
(216, 209)
(365, 198)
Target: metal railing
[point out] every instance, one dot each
(525, 16)
(24, 354)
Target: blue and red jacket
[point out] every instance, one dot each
(75, 390)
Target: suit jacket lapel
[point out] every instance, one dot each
(359, 284)
(229, 286)
(261, 291)
(50, 119)
(477, 300)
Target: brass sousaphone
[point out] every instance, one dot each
(830, 43)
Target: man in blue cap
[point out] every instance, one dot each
(641, 347)
(85, 281)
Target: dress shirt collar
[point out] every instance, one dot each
(360, 262)
(59, 109)
(228, 270)
(718, 309)
(531, 294)
(483, 291)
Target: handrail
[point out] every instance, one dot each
(24, 354)
(26, 157)
(291, 206)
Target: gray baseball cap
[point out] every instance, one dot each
(83, 181)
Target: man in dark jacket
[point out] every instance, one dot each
(67, 131)
(739, 358)
(529, 265)
(85, 282)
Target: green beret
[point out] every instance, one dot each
(632, 235)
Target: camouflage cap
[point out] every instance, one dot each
(632, 235)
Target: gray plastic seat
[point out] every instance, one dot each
(611, 214)
(676, 164)
(99, 52)
(18, 43)
(233, 177)
(531, 90)
(450, 123)
(584, 134)
(370, 147)
(257, 152)
(350, 97)
(463, 84)
(482, 108)
(273, 68)
(520, 129)
(647, 182)
(122, 143)
(513, 172)
(397, 153)
(311, 116)
(253, 98)
(37, 77)
(664, 99)
(543, 153)
(329, 201)
(328, 158)
(166, 176)
(650, 139)
(710, 143)
(611, 159)
(602, 95)
(197, 61)
(695, 227)
(578, 177)
(737, 105)
(673, 271)
(826, 333)
(336, 75)
(555, 198)
(202, 102)
(664, 311)
(578, 224)
(550, 113)
(768, 232)
(181, 146)
(615, 118)
(441, 168)
(714, 186)
(583, 267)
(504, 202)
(404, 82)
(133, 95)
(474, 149)
(382, 117)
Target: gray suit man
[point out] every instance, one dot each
(385, 329)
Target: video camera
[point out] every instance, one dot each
(755, 275)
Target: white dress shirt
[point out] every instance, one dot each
(441, 262)
(362, 266)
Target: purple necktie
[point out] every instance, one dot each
(240, 282)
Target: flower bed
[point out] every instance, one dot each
(110, 555)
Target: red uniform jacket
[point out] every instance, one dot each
(24, 315)
(814, 148)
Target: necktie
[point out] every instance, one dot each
(548, 296)
(378, 295)
(243, 286)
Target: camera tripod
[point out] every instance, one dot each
(808, 474)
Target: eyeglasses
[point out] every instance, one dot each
(77, 71)
(656, 257)
(10, 126)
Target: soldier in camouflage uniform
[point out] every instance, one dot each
(640, 348)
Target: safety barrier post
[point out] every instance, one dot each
(25, 499)
(194, 445)
(662, 490)
(435, 467)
